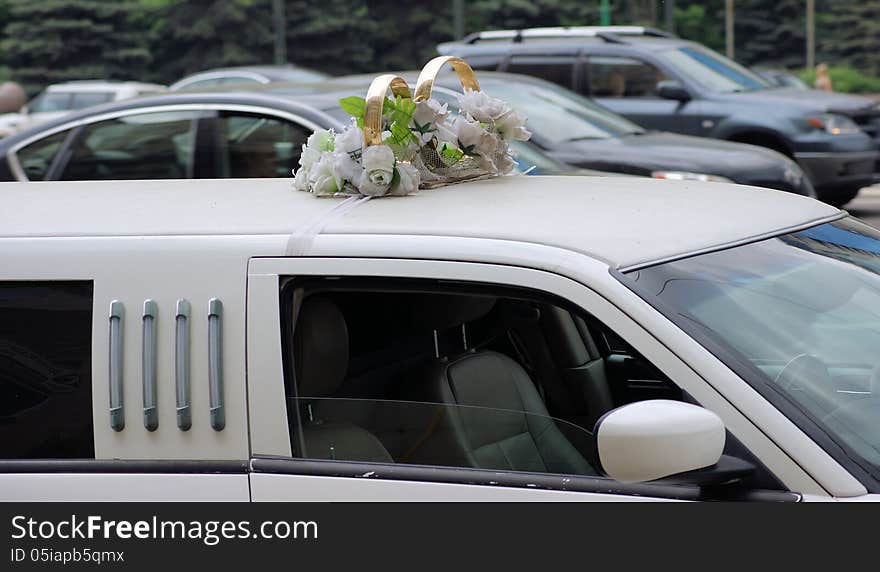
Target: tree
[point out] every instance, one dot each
(49, 41)
(335, 36)
(771, 32)
(849, 32)
(188, 36)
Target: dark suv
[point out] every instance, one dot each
(666, 83)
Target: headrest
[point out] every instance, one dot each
(321, 348)
(443, 311)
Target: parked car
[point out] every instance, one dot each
(61, 98)
(578, 132)
(666, 83)
(235, 133)
(247, 75)
(520, 338)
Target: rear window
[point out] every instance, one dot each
(46, 370)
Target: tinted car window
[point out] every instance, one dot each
(48, 101)
(622, 77)
(260, 146)
(45, 370)
(37, 157)
(713, 71)
(146, 146)
(560, 72)
(82, 100)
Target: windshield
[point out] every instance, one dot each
(798, 317)
(559, 115)
(713, 71)
(534, 161)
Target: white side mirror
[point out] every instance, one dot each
(653, 439)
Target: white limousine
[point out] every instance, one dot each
(549, 338)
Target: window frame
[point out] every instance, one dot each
(18, 171)
(267, 400)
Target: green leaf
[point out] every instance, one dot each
(400, 133)
(354, 106)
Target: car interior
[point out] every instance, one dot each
(460, 377)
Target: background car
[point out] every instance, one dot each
(61, 98)
(576, 131)
(663, 82)
(245, 75)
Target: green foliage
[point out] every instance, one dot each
(187, 36)
(845, 79)
(48, 41)
(850, 33)
(354, 106)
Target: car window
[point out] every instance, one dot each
(759, 308)
(256, 145)
(609, 76)
(560, 72)
(145, 146)
(88, 99)
(556, 114)
(36, 158)
(214, 81)
(49, 101)
(713, 71)
(238, 79)
(45, 370)
(455, 376)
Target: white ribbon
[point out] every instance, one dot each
(301, 240)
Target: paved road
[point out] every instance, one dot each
(867, 206)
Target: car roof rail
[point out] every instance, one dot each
(603, 32)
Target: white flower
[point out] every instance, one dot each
(425, 118)
(378, 163)
(474, 139)
(301, 179)
(408, 180)
(481, 106)
(346, 167)
(321, 140)
(309, 157)
(512, 126)
(350, 140)
(324, 178)
(505, 164)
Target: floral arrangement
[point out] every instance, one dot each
(423, 145)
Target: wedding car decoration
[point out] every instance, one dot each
(395, 146)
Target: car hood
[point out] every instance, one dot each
(642, 154)
(809, 100)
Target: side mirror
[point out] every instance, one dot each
(672, 89)
(650, 440)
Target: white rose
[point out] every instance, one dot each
(378, 164)
(481, 106)
(324, 178)
(321, 140)
(301, 179)
(474, 139)
(408, 180)
(309, 157)
(350, 140)
(425, 118)
(505, 164)
(346, 168)
(512, 126)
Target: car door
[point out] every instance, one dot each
(372, 439)
(627, 85)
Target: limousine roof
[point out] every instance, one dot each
(623, 221)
